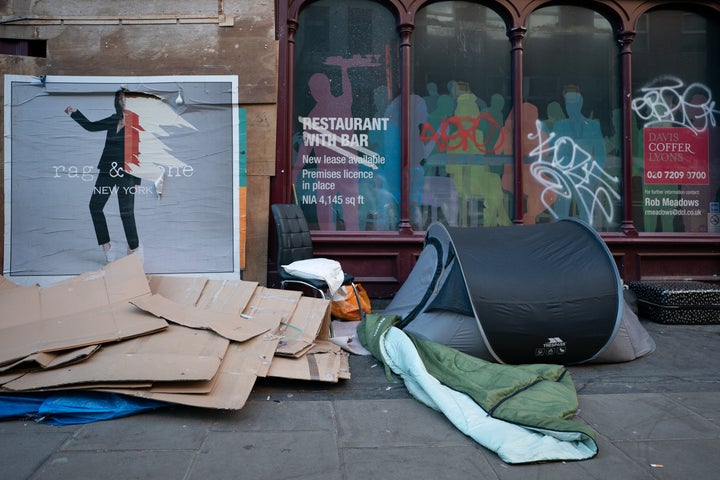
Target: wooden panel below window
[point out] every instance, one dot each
(383, 263)
(680, 265)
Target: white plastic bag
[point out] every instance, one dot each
(330, 271)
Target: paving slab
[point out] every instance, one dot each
(26, 446)
(449, 462)
(639, 417)
(167, 430)
(115, 465)
(394, 423)
(268, 455)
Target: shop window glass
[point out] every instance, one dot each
(676, 137)
(571, 115)
(461, 164)
(346, 136)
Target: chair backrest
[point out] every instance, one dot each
(294, 240)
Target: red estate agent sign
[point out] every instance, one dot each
(676, 156)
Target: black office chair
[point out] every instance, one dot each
(295, 243)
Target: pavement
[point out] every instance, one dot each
(657, 417)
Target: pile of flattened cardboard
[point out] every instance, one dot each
(185, 340)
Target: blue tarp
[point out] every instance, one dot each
(69, 408)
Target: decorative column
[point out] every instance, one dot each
(625, 39)
(405, 69)
(281, 190)
(516, 34)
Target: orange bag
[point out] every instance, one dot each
(348, 309)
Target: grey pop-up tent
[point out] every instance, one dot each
(545, 293)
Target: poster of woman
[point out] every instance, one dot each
(97, 168)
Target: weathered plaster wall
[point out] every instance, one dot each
(165, 37)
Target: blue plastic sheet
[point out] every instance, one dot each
(69, 408)
(14, 406)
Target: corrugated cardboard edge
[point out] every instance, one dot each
(107, 324)
(176, 353)
(53, 359)
(229, 325)
(88, 309)
(237, 375)
(325, 362)
(309, 322)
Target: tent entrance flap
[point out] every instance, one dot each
(544, 293)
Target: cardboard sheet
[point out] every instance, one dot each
(20, 305)
(11, 375)
(176, 353)
(119, 281)
(310, 321)
(111, 324)
(42, 360)
(325, 362)
(233, 384)
(108, 324)
(229, 325)
(88, 309)
(231, 296)
(268, 301)
(184, 290)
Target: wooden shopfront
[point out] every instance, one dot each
(394, 114)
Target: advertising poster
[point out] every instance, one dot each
(677, 195)
(136, 164)
(676, 156)
(346, 172)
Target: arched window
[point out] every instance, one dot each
(571, 133)
(459, 159)
(676, 137)
(346, 136)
